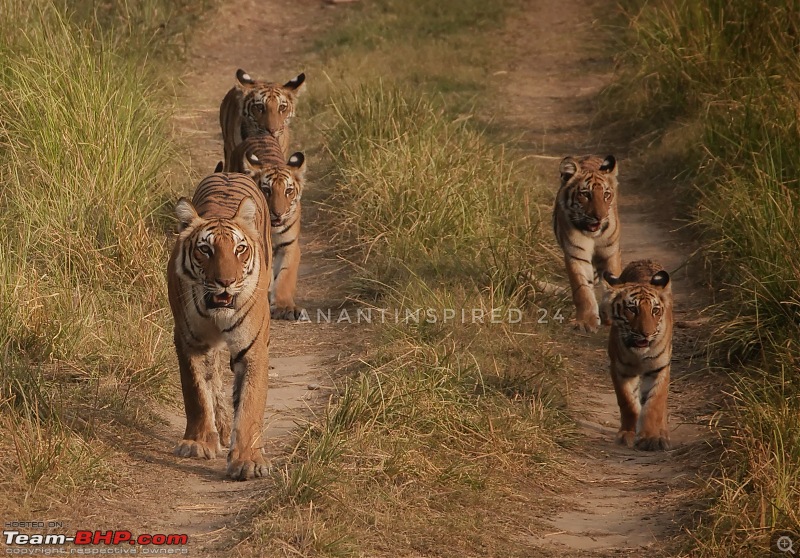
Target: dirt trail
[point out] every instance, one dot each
(625, 502)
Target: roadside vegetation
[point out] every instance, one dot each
(721, 79)
(438, 419)
(85, 167)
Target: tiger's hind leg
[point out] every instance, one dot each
(200, 438)
(626, 389)
(652, 430)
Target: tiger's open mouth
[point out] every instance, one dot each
(276, 222)
(640, 343)
(593, 227)
(220, 300)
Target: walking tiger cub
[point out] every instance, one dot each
(281, 182)
(639, 304)
(218, 277)
(586, 226)
(253, 108)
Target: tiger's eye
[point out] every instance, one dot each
(205, 250)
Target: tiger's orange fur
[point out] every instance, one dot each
(586, 225)
(282, 183)
(219, 275)
(253, 108)
(639, 303)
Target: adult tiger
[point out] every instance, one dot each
(282, 183)
(254, 108)
(639, 303)
(586, 226)
(218, 278)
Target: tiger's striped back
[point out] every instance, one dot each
(586, 226)
(257, 152)
(639, 304)
(253, 108)
(218, 197)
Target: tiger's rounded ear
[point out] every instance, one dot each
(186, 214)
(296, 83)
(244, 78)
(611, 279)
(247, 211)
(297, 160)
(609, 164)
(219, 167)
(660, 279)
(250, 163)
(567, 168)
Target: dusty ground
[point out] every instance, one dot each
(626, 502)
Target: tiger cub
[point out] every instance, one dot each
(218, 277)
(639, 303)
(586, 226)
(281, 182)
(256, 108)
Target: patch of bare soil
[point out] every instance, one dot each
(624, 502)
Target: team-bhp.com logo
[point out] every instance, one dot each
(94, 542)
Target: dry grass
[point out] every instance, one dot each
(84, 163)
(727, 73)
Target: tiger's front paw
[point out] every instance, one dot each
(197, 448)
(292, 313)
(243, 469)
(626, 438)
(587, 324)
(653, 443)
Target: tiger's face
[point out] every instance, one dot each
(589, 190)
(637, 309)
(282, 186)
(267, 107)
(220, 256)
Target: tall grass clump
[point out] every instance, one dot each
(423, 195)
(728, 72)
(84, 163)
